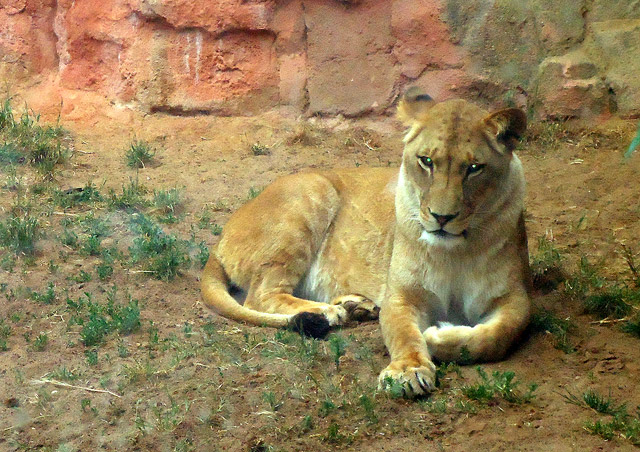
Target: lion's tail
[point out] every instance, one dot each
(214, 286)
(216, 296)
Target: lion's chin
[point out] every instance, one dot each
(443, 238)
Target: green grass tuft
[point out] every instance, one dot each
(74, 197)
(338, 347)
(602, 404)
(501, 385)
(99, 320)
(632, 326)
(159, 253)
(132, 197)
(609, 303)
(40, 342)
(544, 321)
(25, 140)
(138, 154)
(20, 233)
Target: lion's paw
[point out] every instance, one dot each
(336, 315)
(358, 307)
(446, 342)
(415, 380)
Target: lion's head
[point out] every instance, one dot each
(457, 166)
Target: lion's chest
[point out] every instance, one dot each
(462, 293)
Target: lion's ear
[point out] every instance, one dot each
(413, 104)
(507, 126)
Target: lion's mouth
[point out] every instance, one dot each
(441, 233)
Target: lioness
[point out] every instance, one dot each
(439, 245)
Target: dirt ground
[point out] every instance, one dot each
(190, 380)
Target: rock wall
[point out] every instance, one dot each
(350, 57)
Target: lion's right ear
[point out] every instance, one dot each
(413, 105)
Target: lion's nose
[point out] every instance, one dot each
(443, 219)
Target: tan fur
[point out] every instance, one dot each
(353, 239)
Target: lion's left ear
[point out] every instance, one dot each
(507, 126)
(413, 105)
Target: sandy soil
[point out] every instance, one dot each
(206, 383)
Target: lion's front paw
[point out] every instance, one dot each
(447, 342)
(414, 379)
(358, 307)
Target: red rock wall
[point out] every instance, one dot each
(348, 57)
(229, 56)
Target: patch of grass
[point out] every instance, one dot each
(81, 277)
(40, 342)
(10, 155)
(334, 436)
(621, 423)
(47, 297)
(326, 407)
(92, 246)
(602, 404)
(5, 332)
(338, 347)
(630, 259)
(260, 149)
(123, 351)
(26, 140)
(140, 371)
(167, 203)
(608, 303)
(93, 225)
(132, 197)
(605, 299)
(307, 424)
(74, 197)
(159, 253)
(168, 418)
(546, 266)
(587, 279)
(368, 404)
(254, 192)
(270, 398)
(544, 321)
(69, 238)
(98, 320)
(216, 229)
(547, 134)
(104, 271)
(436, 405)
(20, 233)
(92, 357)
(138, 154)
(632, 326)
(203, 254)
(501, 385)
(62, 374)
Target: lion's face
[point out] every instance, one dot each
(455, 162)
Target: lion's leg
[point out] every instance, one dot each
(487, 341)
(411, 365)
(358, 307)
(271, 291)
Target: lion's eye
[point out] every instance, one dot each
(426, 161)
(475, 168)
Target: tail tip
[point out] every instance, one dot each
(310, 324)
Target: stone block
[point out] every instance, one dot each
(350, 66)
(423, 40)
